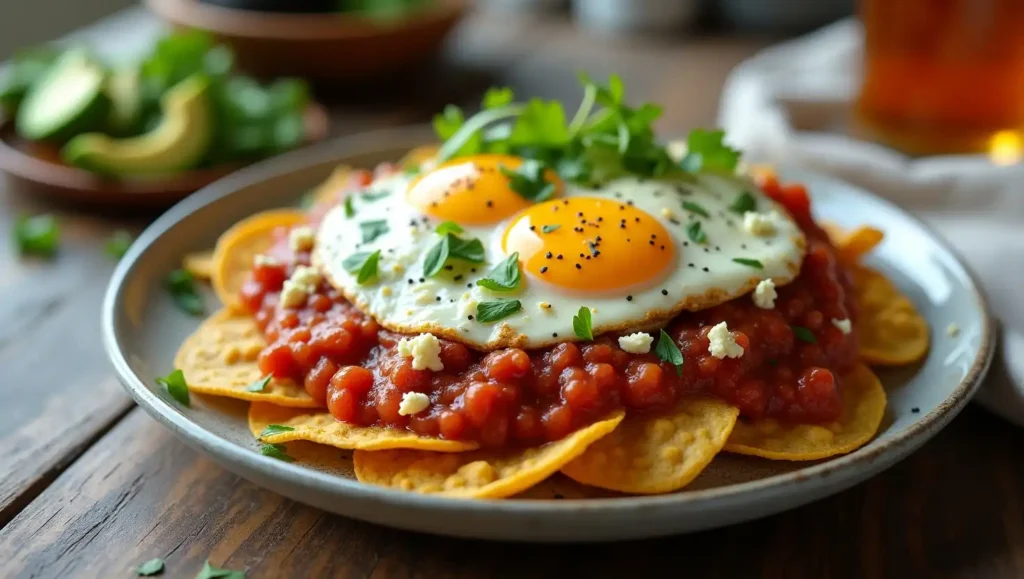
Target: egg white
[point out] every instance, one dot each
(402, 299)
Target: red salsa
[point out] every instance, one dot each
(793, 358)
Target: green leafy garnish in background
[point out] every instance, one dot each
(118, 243)
(37, 235)
(150, 568)
(182, 287)
(23, 70)
(176, 386)
(707, 150)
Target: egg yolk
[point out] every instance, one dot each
(591, 245)
(472, 190)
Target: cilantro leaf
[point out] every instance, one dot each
(118, 243)
(350, 211)
(541, 124)
(272, 429)
(371, 230)
(667, 350)
(707, 150)
(176, 386)
(371, 196)
(696, 208)
(529, 181)
(449, 227)
(582, 324)
(277, 451)
(150, 568)
(493, 311)
(259, 385)
(695, 233)
(449, 247)
(37, 235)
(804, 335)
(467, 139)
(748, 262)
(210, 572)
(549, 228)
(497, 97)
(363, 264)
(744, 202)
(181, 285)
(504, 277)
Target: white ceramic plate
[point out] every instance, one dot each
(142, 330)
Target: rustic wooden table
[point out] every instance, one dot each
(90, 486)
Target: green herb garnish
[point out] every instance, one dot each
(176, 386)
(707, 150)
(150, 568)
(493, 311)
(210, 572)
(350, 211)
(371, 196)
(504, 277)
(749, 262)
(744, 202)
(549, 228)
(277, 451)
(529, 182)
(449, 227)
(582, 324)
(450, 247)
(363, 264)
(696, 208)
(496, 97)
(695, 233)
(667, 350)
(182, 287)
(118, 243)
(272, 429)
(37, 235)
(804, 335)
(371, 230)
(260, 384)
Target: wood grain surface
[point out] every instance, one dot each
(90, 487)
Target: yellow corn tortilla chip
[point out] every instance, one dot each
(199, 264)
(329, 192)
(220, 359)
(480, 473)
(236, 248)
(854, 244)
(657, 454)
(320, 427)
(890, 331)
(863, 408)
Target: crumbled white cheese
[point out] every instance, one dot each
(293, 294)
(953, 330)
(765, 294)
(306, 276)
(261, 260)
(302, 238)
(760, 224)
(425, 350)
(844, 325)
(723, 343)
(413, 403)
(638, 343)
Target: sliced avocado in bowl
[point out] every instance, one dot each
(69, 99)
(178, 142)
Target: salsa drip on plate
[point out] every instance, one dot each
(793, 357)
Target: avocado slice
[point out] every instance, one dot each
(125, 92)
(178, 142)
(67, 100)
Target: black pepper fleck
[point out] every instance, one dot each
(664, 292)
(705, 269)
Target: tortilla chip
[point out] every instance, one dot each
(478, 474)
(329, 192)
(852, 245)
(889, 328)
(863, 408)
(220, 359)
(657, 454)
(199, 264)
(236, 248)
(320, 427)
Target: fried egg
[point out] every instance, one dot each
(636, 252)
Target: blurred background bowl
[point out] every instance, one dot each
(320, 46)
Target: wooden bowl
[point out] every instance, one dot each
(321, 47)
(37, 168)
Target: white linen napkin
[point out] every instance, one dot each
(785, 106)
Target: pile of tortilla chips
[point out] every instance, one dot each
(636, 454)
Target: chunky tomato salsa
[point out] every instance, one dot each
(793, 357)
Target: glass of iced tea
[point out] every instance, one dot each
(942, 76)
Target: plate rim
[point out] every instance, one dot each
(296, 475)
